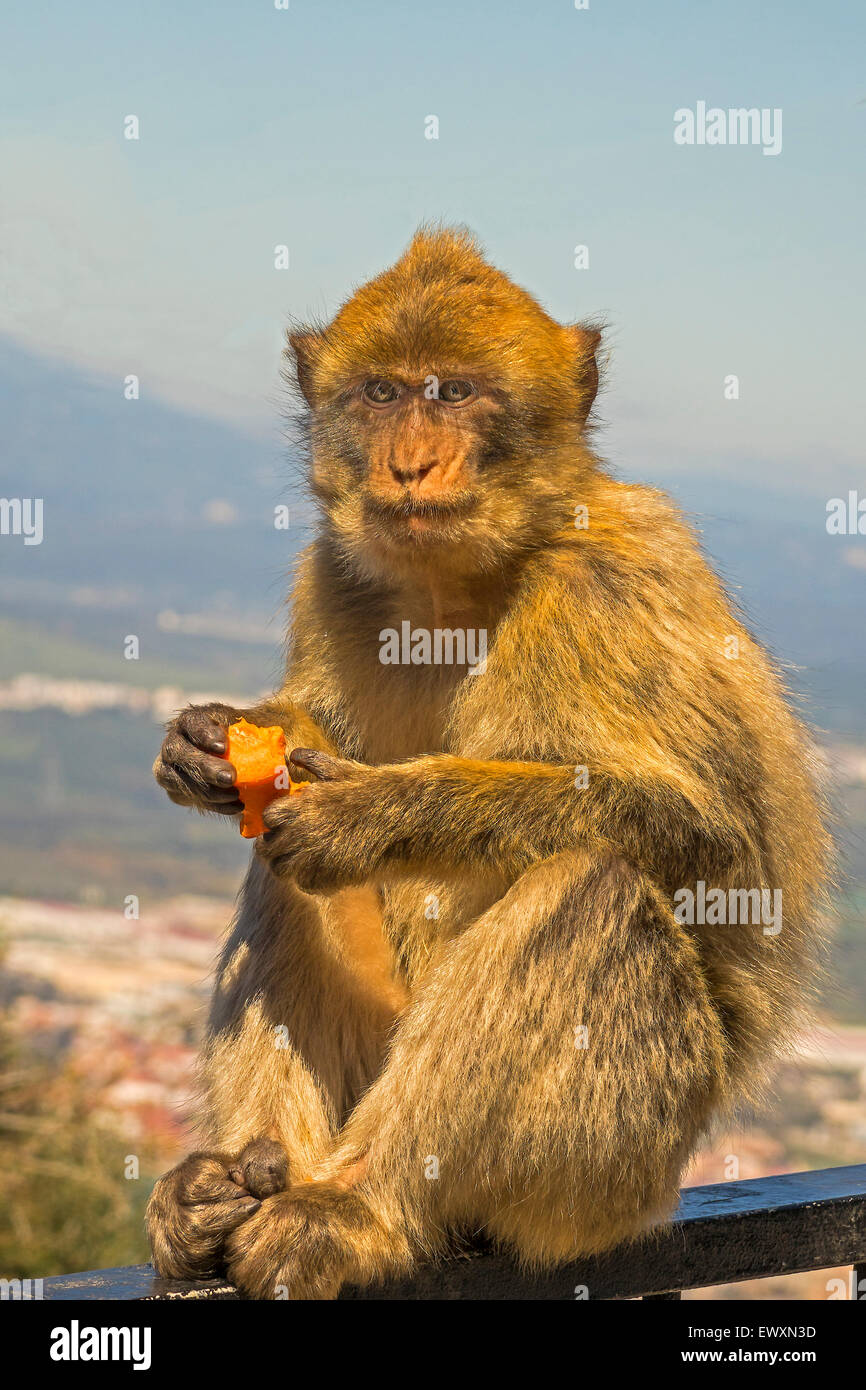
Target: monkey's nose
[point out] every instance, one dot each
(413, 473)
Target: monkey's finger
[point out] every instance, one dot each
(218, 1193)
(262, 1168)
(201, 803)
(201, 768)
(201, 728)
(276, 817)
(171, 781)
(217, 772)
(324, 767)
(187, 790)
(212, 796)
(180, 800)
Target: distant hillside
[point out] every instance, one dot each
(141, 500)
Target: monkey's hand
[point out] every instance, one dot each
(189, 767)
(195, 1207)
(326, 838)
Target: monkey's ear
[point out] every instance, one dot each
(304, 345)
(585, 339)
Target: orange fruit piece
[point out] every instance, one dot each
(259, 760)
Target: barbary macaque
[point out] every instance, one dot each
(458, 997)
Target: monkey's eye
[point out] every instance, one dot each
(456, 392)
(380, 392)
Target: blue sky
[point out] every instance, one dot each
(306, 127)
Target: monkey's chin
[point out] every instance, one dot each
(405, 531)
(422, 534)
(398, 554)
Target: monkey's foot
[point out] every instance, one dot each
(307, 1242)
(195, 1206)
(262, 1168)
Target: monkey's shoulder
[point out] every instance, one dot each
(632, 556)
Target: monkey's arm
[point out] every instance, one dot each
(435, 812)
(516, 813)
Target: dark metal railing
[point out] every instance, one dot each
(719, 1235)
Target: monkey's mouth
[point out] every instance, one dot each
(410, 521)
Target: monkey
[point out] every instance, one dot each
(459, 998)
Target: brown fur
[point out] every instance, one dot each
(415, 1034)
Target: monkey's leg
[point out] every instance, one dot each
(303, 1003)
(545, 1086)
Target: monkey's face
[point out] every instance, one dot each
(442, 401)
(405, 460)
